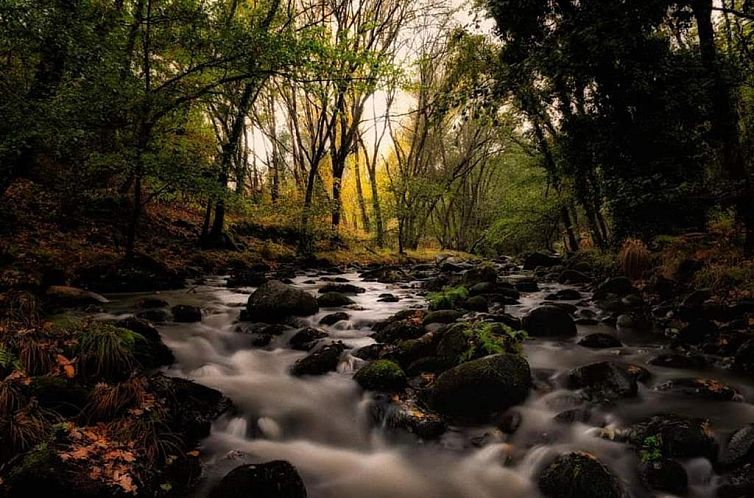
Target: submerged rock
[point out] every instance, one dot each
(476, 389)
(381, 375)
(600, 340)
(665, 475)
(274, 301)
(549, 321)
(400, 414)
(276, 479)
(334, 318)
(701, 389)
(186, 314)
(603, 381)
(321, 361)
(680, 437)
(578, 475)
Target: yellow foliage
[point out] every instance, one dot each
(635, 258)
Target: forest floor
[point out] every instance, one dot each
(45, 241)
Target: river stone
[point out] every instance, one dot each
(388, 298)
(665, 475)
(564, 295)
(65, 296)
(151, 302)
(156, 315)
(700, 389)
(334, 300)
(321, 361)
(334, 318)
(370, 352)
(398, 331)
(483, 273)
(276, 479)
(738, 483)
(306, 338)
(680, 437)
(600, 340)
(342, 288)
(549, 321)
(538, 259)
(573, 277)
(246, 278)
(392, 412)
(186, 314)
(476, 303)
(677, 360)
(619, 286)
(476, 389)
(442, 316)
(381, 375)
(740, 447)
(744, 360)
(274, 301)
(578, 475)
(603, 381)
(482, 288)
(193, 407)
(527, 286)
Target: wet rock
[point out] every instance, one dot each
(476, 389)
(386, 275)
(334, 318)
(600, 341)
(408, 351)
(482, 273)
(567, 307)
(306, 338)
(506, 319)
(640, 374)
(381, 375)
(665, 288)
(739, 448)
(399, 331)
(193, 407)
(697, 332)
(578, 475)
(406, 415)
(573, 277)
(388, 298)
(738, 483)
(538, 259)
(679, 436)
(482, 288)
(321, 361)
(142, 327)
(549, 321)
(276, 479)
(564, 295)
(618, 286)
(274, 301)
(602, 381)
(334, 300)
(664, 475)
(186, 314)
(151, 302)
(342, 288)
(246, 278)
(156, 315)
(586, 321)
(527, 286)
(442, 316)
(579, 414)
(509, 422)
(370, 352)
(700, 389)
(677, 360)
(476, 303)
(744, 359)
(63, 296)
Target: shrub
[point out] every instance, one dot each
(106, 351)
(635, 258)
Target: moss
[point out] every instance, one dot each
(448, 298)
(381, 375)
(106, 351)
(472, 340)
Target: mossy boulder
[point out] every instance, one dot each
(679, 436)
(476, 389)
(274, 301)
(381, 375)
(321, 361)
(603, 381)
(578, 475)
(442, 316)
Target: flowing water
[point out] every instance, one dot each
(322, 426)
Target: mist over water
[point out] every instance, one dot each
(322, 424)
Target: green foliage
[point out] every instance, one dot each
(651, 449)
(491, 338)
(448, 298)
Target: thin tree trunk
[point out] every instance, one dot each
(360, 197)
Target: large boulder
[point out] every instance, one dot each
(679, 436)
(603, 381)
(578, 475)
(476, 389)
(306, 338)
(549, 321)
(274, 301)
(334, 318)
(665, 474)
(573, 277)
(381, 375)
(321, 361)
(619, 286)
(276, 479)
(539, 259)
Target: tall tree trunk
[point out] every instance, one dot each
(360, 197)
(572, 244)
(725, 121)
(379, 231)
